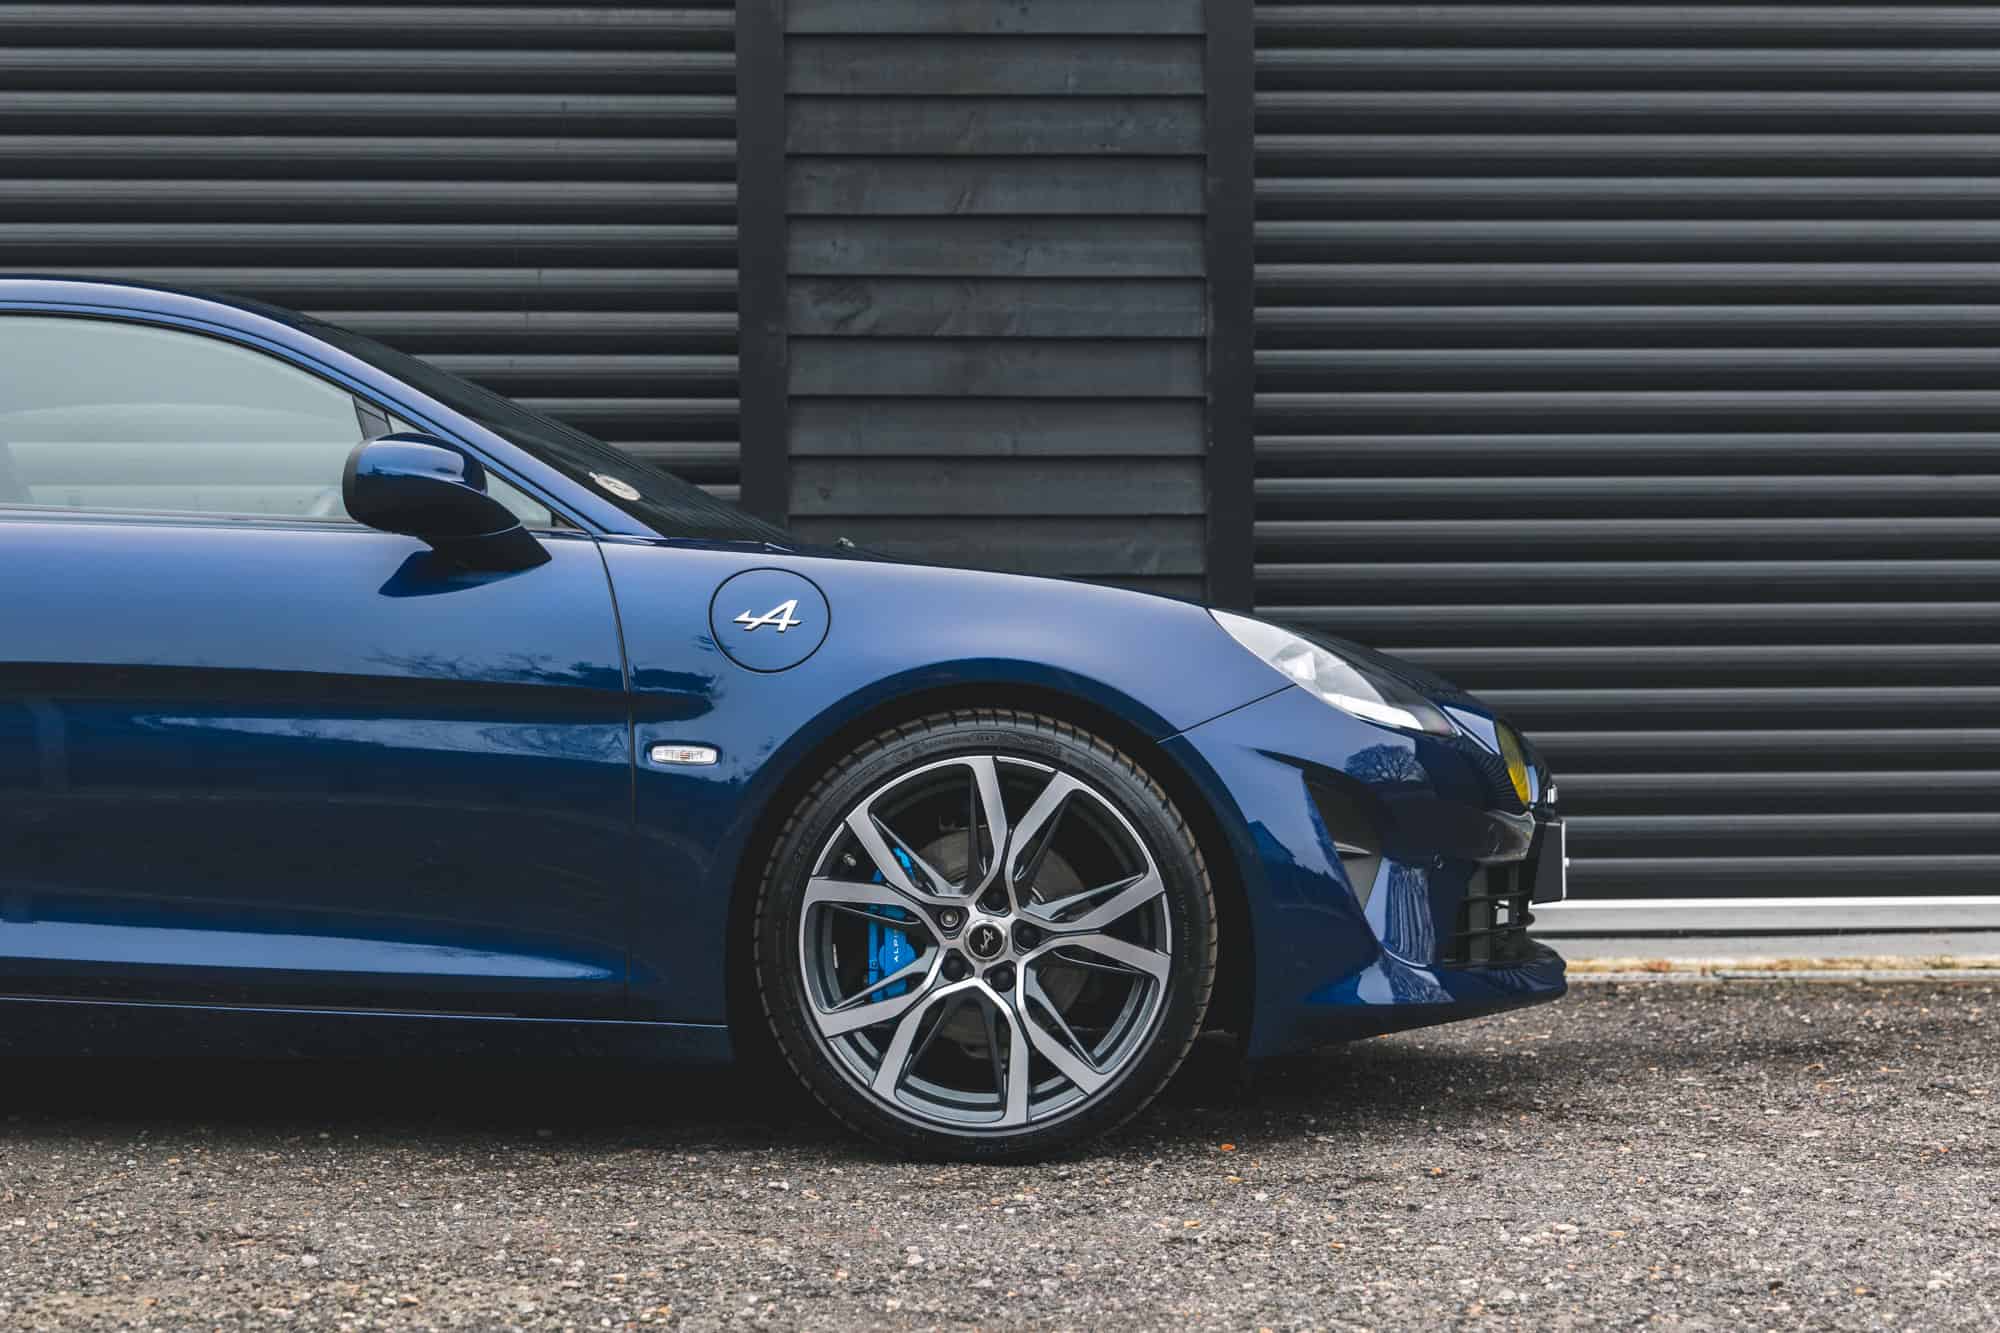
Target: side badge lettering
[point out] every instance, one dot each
(783, 615)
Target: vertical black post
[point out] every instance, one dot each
(763, 370)
(1230, 85)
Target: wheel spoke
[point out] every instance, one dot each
(1126, 896)
(1127, 957)
(1015, 1099)
(857, 1012)
(986, 803)
(946, 1008)
(990, 1012)
(896, 1059)
(875, 841)
(1063, 1048)
(1037, 824)
(931, 873)
(851, 893)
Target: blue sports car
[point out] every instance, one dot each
(343, 702)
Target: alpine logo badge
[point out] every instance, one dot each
(783, 615)
(740, 627)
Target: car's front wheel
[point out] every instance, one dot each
(985, 934)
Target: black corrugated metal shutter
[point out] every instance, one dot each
(1637, 365)
(539, 196)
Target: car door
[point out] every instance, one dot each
(252, 752)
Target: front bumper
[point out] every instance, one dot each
(1389, 876)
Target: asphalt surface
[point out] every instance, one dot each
(1692, 1155)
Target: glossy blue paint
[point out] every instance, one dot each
(308, 764)
(311, 769)
(896, 632)
(1328, 966)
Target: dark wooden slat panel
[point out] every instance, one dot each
(1672, 25)
(1725, 239)
(994, 17)
(1806, 790)
(1485, 198)
(1003, 367)
(1461, 68)
(998, 307)
(996, 247)
(1003, 427)
(1625, 538)
(1641, 452)
(623, 418)
(1790, 705)
(1773, 327)
(336, 201)
(1662, 581)
(515, 113)
(385, 68)
(252, 242)
(1708, 501)
(521, 375)
(947, 126)
(420, 288)
(424, 331)
(1772, 876)
(1500, 621)
(1621, 283)
(995, 305)
(1660, 111)
(1007, 67)
(533, 27)
(1160, 547)
(1625, 154)
(1749, 750)
(358, 157)
(1729, 367)
(946, 187)
(996, 488)
(1928, 833)
(1488, 667)
(1588, 409)
(541, 196)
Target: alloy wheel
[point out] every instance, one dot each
(984, 944)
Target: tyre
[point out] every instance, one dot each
(985, 935)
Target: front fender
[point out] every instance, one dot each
(1160, 666)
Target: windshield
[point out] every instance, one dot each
(665, 503)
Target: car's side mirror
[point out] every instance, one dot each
(421, 487)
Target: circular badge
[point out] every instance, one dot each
(768, 619)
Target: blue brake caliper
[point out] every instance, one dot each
(889, 950)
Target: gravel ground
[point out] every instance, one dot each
(1697, 1155)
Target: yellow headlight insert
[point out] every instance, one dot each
(1517, 763)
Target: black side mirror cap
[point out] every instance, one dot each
(421, 487)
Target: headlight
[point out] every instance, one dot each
(1517, 763)
(1352, 688)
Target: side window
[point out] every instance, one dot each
(101, 415)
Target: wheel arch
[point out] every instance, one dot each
(1230, 1002)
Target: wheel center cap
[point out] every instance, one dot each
(985, 940)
